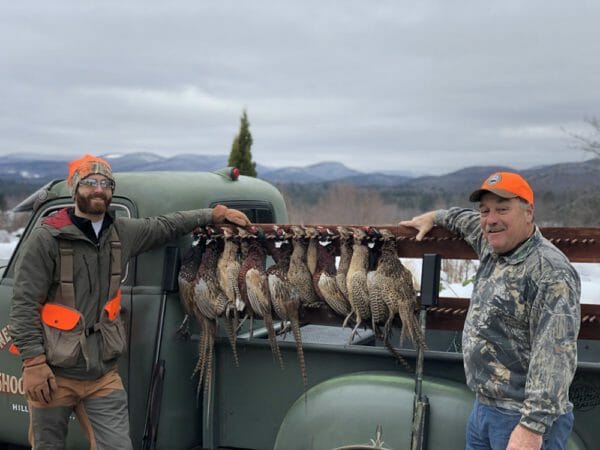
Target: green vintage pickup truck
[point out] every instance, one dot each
(357, 395)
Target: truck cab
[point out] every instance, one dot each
(138, 194)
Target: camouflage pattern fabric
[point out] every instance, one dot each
(520, 334)
(84, 167)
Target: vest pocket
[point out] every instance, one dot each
(63, 347)
(113, 337)
(63, 334)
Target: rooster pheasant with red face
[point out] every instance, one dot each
(187, 272)
(324, 278)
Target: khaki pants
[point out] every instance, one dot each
(100, 406)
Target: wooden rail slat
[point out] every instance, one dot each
(450, 315)
(578, 243)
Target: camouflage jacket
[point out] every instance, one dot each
(520, 334)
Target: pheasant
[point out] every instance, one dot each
(324, 278)
(284, 298)
(187, 272)
(379, 310)
(298, 272)
(243, 306)
(393, 282)
(209, 303)
(280, 249)
(311, 249)
(228, 268)
(382, 301)
(345, 242)
(253, 269)
(356, 280)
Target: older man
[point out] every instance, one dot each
(520, 334)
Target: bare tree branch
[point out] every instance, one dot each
(589, 143)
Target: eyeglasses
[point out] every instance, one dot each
(93, 183)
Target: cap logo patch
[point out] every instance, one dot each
(494, 179)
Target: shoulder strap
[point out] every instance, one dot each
(66, 293)
(115, 263)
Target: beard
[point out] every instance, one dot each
(89, 204)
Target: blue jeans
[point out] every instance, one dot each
(489, 428)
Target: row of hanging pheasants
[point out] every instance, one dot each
(224, 275)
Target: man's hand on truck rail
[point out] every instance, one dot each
(422, 223)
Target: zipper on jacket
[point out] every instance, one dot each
(101, 243)
(89, 275)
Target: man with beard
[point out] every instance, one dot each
(520, 335)
(65, 317)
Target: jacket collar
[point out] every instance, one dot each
(519, 254)
(85, 225)
(67, 224)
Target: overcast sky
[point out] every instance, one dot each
(423, 86)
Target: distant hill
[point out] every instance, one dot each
(565, 194)
(38, 169)
(315, 173)
(562, 177)
(31, 167)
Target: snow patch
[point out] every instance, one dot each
(26, 174)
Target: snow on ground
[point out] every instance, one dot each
(8, 242)
(590, 282)
(589, 273)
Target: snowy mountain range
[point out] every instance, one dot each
(556, 177)
(41, 167)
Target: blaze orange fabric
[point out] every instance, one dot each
(84, 166)
(13, 349)
(59, 316)
(506, 185)
(113, 306)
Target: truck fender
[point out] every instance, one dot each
(346, 411)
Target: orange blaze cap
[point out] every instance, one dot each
(505, 185)
(84, 167)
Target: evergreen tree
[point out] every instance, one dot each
(241, 154)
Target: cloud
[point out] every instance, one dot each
(429, 87)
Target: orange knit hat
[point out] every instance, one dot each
(84, 167)
(506, 185)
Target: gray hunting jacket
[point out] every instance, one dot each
(37, 277)
(520, 335)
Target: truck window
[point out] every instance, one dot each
(257, 212)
